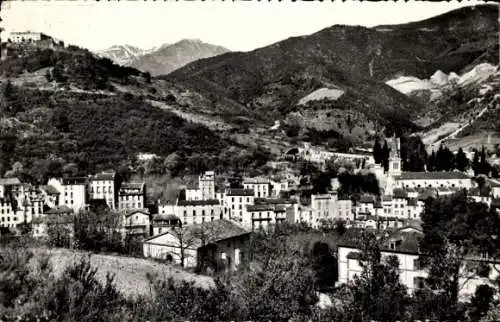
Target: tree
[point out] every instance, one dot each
(454, 229)
(377, 294)
(480, 302)
(385, 156)
(186, 241)
(324, 265)
(462, 162)
(377, 152)
(279, 289)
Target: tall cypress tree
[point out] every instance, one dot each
(385, 159)
(462, 163)
(440, 159)
(431, 162)
(377, 152)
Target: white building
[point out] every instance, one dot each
(260, 186)
(235, 203)
(404, 245)
(192, 212)
(72, 192)
(132, 195)
(104, 186)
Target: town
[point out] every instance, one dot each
(352, 174)
(225, 214)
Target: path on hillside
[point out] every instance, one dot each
(453, 134)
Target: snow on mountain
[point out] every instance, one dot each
(439, 80)
(121, 54)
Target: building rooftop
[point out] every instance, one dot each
(210, 202)
(74, 181)
(137, 187)
(130, 212)
(260, 207)
(51, 190)
(433, 176)
(104, 176)
(9, 181)
(218, 230)
(256, 180)
(159, 217)
(209, 232)
(239, 192)
(58, 210)
(274, 201)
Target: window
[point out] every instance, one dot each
(419, 282)
(203, 212)
(185, 213)
(416, 264)
(194, 213)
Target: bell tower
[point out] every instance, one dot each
(395, 158)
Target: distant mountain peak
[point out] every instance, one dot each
(170, 57)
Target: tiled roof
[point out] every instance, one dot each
(139, 186)
(212, 231)
(51, 190)
(386, 198)
(432, 176)
(158, 217)
(260, 208)
(198, 202)
(274, 201)
(218, 230)
(494, 183)
(57, 210)
(256, 180)
(354, 255)
(74, 181)
(130, 212)
(9, 181)
(104, 176)
(239, 192)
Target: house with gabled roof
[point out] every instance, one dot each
(220, 244)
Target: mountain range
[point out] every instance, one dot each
(163, 59)
(271, 81)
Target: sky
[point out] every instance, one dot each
(238, 25)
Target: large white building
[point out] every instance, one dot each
(404, 245)
(104, 186)
(132, 195)
(236, 202)
(260, 186)
(192, 212)
(72, 192)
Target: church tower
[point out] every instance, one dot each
(395, 158)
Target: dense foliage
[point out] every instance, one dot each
(94, 133)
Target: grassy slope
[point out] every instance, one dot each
(130, 273)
